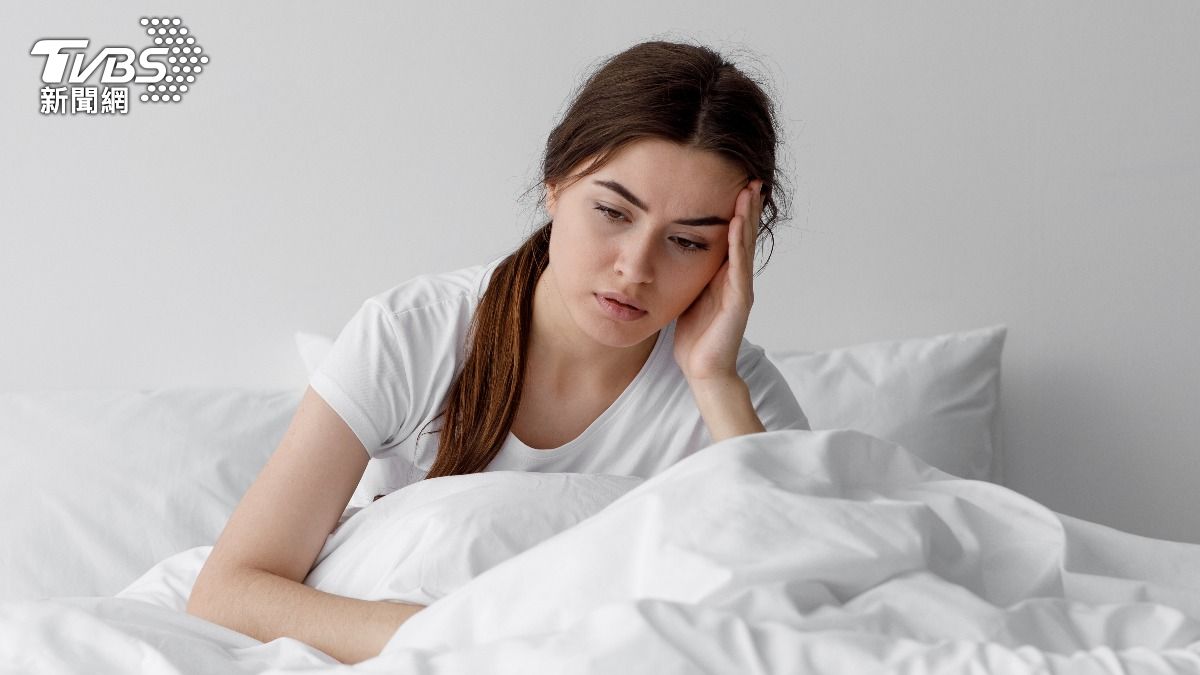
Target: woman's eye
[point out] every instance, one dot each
(609, 214)
(687, 245)
(691, 246)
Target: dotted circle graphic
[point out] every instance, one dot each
(185, 62)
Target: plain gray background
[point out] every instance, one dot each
(954, 165)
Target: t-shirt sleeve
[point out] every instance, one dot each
(363, 378)
(770, 394)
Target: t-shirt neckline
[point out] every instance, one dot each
(608, 413)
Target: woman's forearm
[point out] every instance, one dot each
(725, 405)
(266, 606)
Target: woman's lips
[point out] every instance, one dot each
(618, 311)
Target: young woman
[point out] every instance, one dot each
(610, 341)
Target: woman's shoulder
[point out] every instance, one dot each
(437, 290)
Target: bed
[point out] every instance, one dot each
(880, 541)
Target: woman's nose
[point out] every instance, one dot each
(635, 257)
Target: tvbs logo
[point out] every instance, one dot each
(117, 61)
(167, 69)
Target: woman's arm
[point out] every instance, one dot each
(252, 580)
(266, 606)
(726, 407)
(708, 335)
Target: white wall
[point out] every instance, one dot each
(956, 164)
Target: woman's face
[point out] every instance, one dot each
(651, 225)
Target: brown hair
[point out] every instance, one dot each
(684, 93)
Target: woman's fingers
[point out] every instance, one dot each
(746, 212)
(755, 211)
(737, 232)
(749, 234)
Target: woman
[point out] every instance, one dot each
(611, 341)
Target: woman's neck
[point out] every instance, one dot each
(564, 353)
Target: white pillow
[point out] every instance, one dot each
(99, 485)
(939, 396)
(426, 539)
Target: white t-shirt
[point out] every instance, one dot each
(391, 367)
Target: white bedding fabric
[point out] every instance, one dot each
(98, 485)
(420, 543)
(938, 396)
(783, 552)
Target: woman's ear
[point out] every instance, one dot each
(551, 199)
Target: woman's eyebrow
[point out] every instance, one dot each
(624, 192)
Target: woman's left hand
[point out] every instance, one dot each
(708, 334)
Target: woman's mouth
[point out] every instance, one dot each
(617, 310)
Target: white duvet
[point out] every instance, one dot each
(781, 552)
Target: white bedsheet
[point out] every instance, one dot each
(782, 552)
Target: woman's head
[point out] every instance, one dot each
(660, 133)
(650, 225)
(687, 94)
(671, 132)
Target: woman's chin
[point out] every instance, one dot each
(622, 335)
